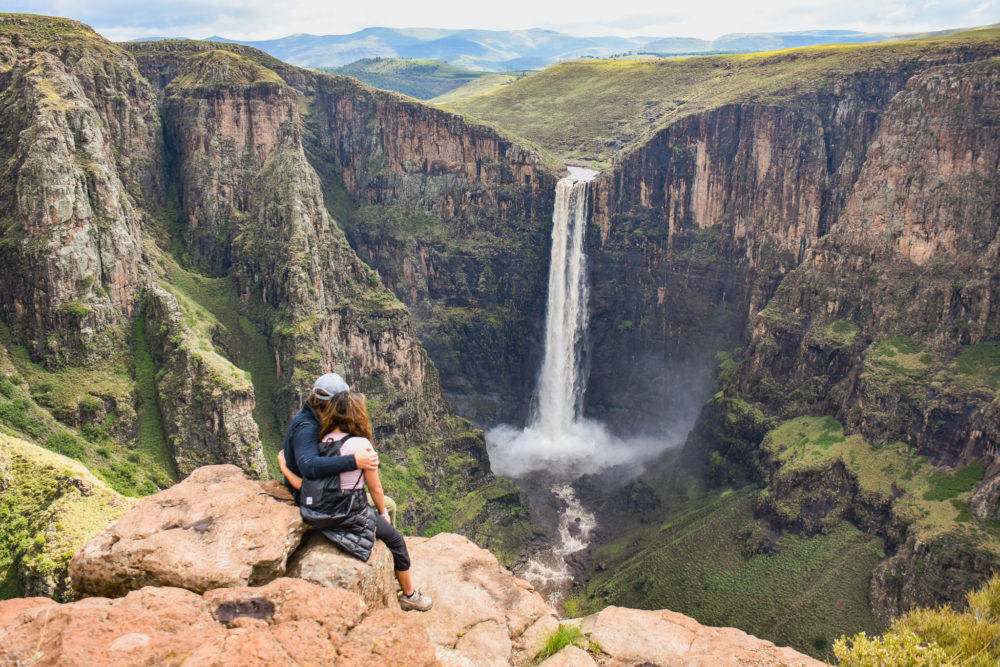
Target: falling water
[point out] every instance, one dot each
(560, 386)
(557, 435)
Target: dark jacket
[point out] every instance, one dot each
(302, 449)
(344, 516)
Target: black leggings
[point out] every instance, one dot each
(393, 539)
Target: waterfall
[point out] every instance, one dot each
(560, 384)
(557, 434)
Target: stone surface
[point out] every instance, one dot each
(320, 562)
(216, 528)
(632, 636)
(288, 621)
(570, 656)
(482, 613)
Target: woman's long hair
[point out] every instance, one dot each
(345, 411)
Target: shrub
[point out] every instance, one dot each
(66, 444)
(939, 636)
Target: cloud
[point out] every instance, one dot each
(259, 19)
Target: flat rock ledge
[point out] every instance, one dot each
(286, 622)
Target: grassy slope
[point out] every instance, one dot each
(484, 84)
(417, 77)
(591, 109)
(806, 594)
(49, 506)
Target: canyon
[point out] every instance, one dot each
(793, 290)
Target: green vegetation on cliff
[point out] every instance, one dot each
(591, 109)
(50, 506)
(421, 78)
(703, 561)
(934, 636)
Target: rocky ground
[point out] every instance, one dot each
(215, 571)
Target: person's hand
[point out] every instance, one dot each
(366, 459)
(281, 458)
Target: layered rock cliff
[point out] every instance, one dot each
(170, 236)
(841, 243)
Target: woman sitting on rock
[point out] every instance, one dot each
(338, 505)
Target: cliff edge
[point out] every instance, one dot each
(216, 569)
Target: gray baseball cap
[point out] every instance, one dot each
(329, 385)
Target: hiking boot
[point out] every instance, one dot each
(416, 602)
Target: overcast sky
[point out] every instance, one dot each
(264, 19)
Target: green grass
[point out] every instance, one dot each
(591, 109)
(152, 439)
(815, 443)
(980, 363)
(215, 309)
(211, 69)
(489, 82)
(59, 409)
(422, 78)
(564, 635)
(809, 589)
(49, 506)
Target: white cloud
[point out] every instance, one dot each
(260, 19)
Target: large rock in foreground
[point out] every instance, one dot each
(319, 561)
(633, 636)
(286, 622)
(217, 528)
(483, 614)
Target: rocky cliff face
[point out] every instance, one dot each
(840, 244)
(171, 235)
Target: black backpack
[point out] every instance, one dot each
(344, 516)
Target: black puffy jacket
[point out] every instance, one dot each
(344, 516)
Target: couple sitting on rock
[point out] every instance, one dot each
(328, 459)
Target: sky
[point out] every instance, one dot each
(266, 19)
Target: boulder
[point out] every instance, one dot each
(570, 656)
(483, 614)
(633, 636)
(287, 621)
(321, 562)
(215, 529)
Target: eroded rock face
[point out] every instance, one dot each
(215, 529)
(320, 562)
(287, 621)
(632, 636)
(482, 613)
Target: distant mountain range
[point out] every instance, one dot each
(505, 50)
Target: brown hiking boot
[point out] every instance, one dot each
(415, 602)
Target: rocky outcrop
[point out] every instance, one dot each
(218, 532)
(482, 613)
(79, 144)
(670, 638)
(287, 621)
(206, 402)
(50, 506)
(217, 528)
(319, 561)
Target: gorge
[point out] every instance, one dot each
(757, 354)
